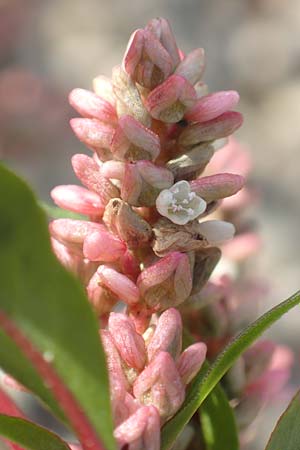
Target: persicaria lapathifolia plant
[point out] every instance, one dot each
(155, 216)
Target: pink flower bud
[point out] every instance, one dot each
(127, 224)
(101, 297)
(118, 382)
(167, 282)
(129, 343)
(92, 106)
(93, 133)
(129, 265)
(78, 199)
(140, 431)
(88, 172)
(161, 28)
(104, 88)
(169, 101)
(217, 128)
(133, 141)
(190, 361)
(119, 284)
(73, 232)
(146, 60)
(192, 66)
(215, 187)
(103, 246)
(167, 336)
(212, 105)
(160, 385)
(128, 97)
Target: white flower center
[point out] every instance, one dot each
(179, 204)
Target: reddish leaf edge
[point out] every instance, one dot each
(7, 406)
(81, 426)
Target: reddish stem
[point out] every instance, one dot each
(78, 420)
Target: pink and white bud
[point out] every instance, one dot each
(72, 233)
(190, 361)
(192, 66)
(93, 133)
(140, 431)
(191, 163)
(103, 246)
(129, 265)
(167, 336)
(133, 141)
(216, 187)
(78, 199)
(64, 255)
(217, 128)
(128, 97)
(120, 219)
(118, 383)
(104, 88)
(133, 52)
(212, 105)
(92, 106)
(161, 28)
(169, 100)
(101, 297)
(166, 283)
(216, 231)
(160, 385)
(89, 173)
(130, 344)
(119, 284)
(179, 204)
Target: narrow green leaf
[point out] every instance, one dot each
(30, 435)
(286, 434)
(204, 383)
(217, 417)
(49, 305)
(53, 212)
(218, 422)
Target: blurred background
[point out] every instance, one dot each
(49, 47)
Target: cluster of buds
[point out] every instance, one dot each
(146, 245)
(148, 374)
(152, 129)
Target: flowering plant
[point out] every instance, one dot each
(139, 350)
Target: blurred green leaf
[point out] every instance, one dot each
(30, 435)
(218, 422)
(49, 306)
(204, 383)
(286, 434)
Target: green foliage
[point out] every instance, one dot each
(218, 422)
(286, 435)
(49, 306)
(30, 435)
(205, 382)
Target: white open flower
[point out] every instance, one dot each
(216, 232)
(179, 204)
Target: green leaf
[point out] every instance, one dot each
(30, 435)
(49, 306)
(53, 212)
(204, 383)
(217, 417)
(218, 422)
(286, 434)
